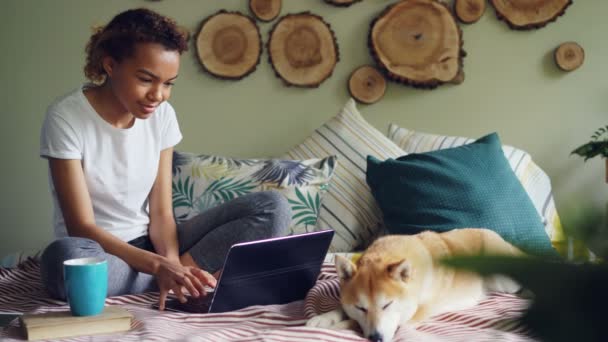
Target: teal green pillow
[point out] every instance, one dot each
(466, 186)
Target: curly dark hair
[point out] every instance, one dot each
(118, 38)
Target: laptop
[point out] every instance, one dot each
(271, 271)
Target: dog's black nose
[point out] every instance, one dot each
(375, 337)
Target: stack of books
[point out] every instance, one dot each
(63, 324)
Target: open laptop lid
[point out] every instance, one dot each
(272, 271)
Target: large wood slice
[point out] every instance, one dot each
(417, 42)
(229, 45)
(569, 56)
(529, 14)
(302, 49)
(366, 84)
(341, 3)
(265, 10)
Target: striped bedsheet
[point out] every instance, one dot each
(493, 319)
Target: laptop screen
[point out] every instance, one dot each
(272, 271)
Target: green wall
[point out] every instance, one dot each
(511, 86)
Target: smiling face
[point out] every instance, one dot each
(141, 82)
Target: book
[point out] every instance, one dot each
(6, 317)
(63, 324)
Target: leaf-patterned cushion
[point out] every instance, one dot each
(201, 182)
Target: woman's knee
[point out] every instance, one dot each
(277, 208)
(58, 251)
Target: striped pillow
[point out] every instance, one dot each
(534, 180)
(348, 207)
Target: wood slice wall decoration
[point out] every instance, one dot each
(417, 42)
(302, 49)
(366, 84)
(529, 14)
(469, 11)
(569, 56)
(265, 10)
(229, 45)
(341, 3)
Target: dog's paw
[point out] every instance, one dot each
(326, 320)
(348, 324)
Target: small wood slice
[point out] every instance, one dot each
(265, 10)
(469, 11)
(229, 45)
(569, 56)
(341, 3)
(302, 49)
(367, 84)
(529, 14)
(417, 42)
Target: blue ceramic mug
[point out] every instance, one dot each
(86, 285)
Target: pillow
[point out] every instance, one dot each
(467, 186)
(349, 207)
(534, 180)
(201, 182)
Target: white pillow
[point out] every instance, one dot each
(348, 207)
(534, 180)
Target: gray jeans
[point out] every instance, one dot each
(207, 237)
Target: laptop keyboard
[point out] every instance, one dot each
(193, 305)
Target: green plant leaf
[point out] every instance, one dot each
(592, 149)
(311, 203)
(182, 193)
(308, 221)
(303, 213)
(304, 208)
(226, 189)
(569, 299)
(300, 196)
(597, 134)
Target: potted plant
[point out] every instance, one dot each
(569, 298)
(598, 146)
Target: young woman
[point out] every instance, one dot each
(109, 147)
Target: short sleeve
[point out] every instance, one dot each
(171, 135)
(58, 139)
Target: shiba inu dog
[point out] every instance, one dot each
(399, 279)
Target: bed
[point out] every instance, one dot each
(349, 208)
(493, 319)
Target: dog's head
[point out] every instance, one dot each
(375, 294)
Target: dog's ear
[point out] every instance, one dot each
(345, 268)
(399, 270)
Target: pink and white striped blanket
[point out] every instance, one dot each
(493, 319)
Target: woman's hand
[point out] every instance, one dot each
(171, 275)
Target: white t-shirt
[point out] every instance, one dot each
(120, 165)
